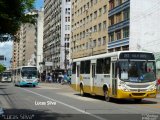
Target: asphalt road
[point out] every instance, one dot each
(60, 102)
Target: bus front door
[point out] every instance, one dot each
(77, 76)
(114, 79)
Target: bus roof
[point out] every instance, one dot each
(106, 55)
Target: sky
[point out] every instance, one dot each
(39, 4)
(6, 47)
(6, 50)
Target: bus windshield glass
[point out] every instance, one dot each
(29, 73)
(137, 71)
(6, 74)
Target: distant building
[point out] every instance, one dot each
(57, 28)
(39, 39)
(28, 50)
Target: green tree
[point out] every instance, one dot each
(2, 68)
(13, 14)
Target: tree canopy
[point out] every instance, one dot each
(2, 68)
(13, 14)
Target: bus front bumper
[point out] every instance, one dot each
(136, 95)
(28, 83)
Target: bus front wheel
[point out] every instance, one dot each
(81, 90)
(106, 96)
(138, 100)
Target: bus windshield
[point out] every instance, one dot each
(29, 73)
(6, 74)
(137, 71)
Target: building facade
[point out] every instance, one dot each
(27, 50)
(39, 39)
(89, 28)
(57, 27)
(118, 26)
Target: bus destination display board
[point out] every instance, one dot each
(136, 55)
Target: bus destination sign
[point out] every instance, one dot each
(136, 55)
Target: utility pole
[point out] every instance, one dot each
(65, 58)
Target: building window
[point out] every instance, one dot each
(111, 20)
(104, 25)
(111, 37)
(83, 34)
(68, 0)
(90, 17)
(86, 45)
(118, 35)
(67, 11)
(94, 43)
(99, 41)
(126, 14)
(99, 26)
(126, 32)
(118, 17)
(95, 28)
(95, 1)
(91, 2)
(104, 40)
(69, 19)
(118, 2)
(100, 11)
(111, 4)
(87, 19)
(104, 9)
(95, 14)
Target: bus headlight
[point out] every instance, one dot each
(23, 80)
(36, 80)
(152, 88)
(123, 86)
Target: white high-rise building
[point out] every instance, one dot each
(57, 28)
(39, 39)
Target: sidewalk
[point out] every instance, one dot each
(54, 85)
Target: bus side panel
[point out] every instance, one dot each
(73, 81)
(99, 81)
(85, 79)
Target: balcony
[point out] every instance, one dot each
(118, 26)
(119, 8)
(118, 43)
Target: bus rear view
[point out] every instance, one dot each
(6, 76)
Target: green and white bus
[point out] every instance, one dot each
(25, 76)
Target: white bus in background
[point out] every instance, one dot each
(6, 76)
(25, 76)
(122, 74)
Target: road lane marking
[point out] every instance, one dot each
(47, 88)
(67, 105)
(77, 97)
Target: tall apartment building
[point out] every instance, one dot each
(122, 25)
(89, 27)
(118, 25)
(28, 49)
(25, 47)
(57, 27)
